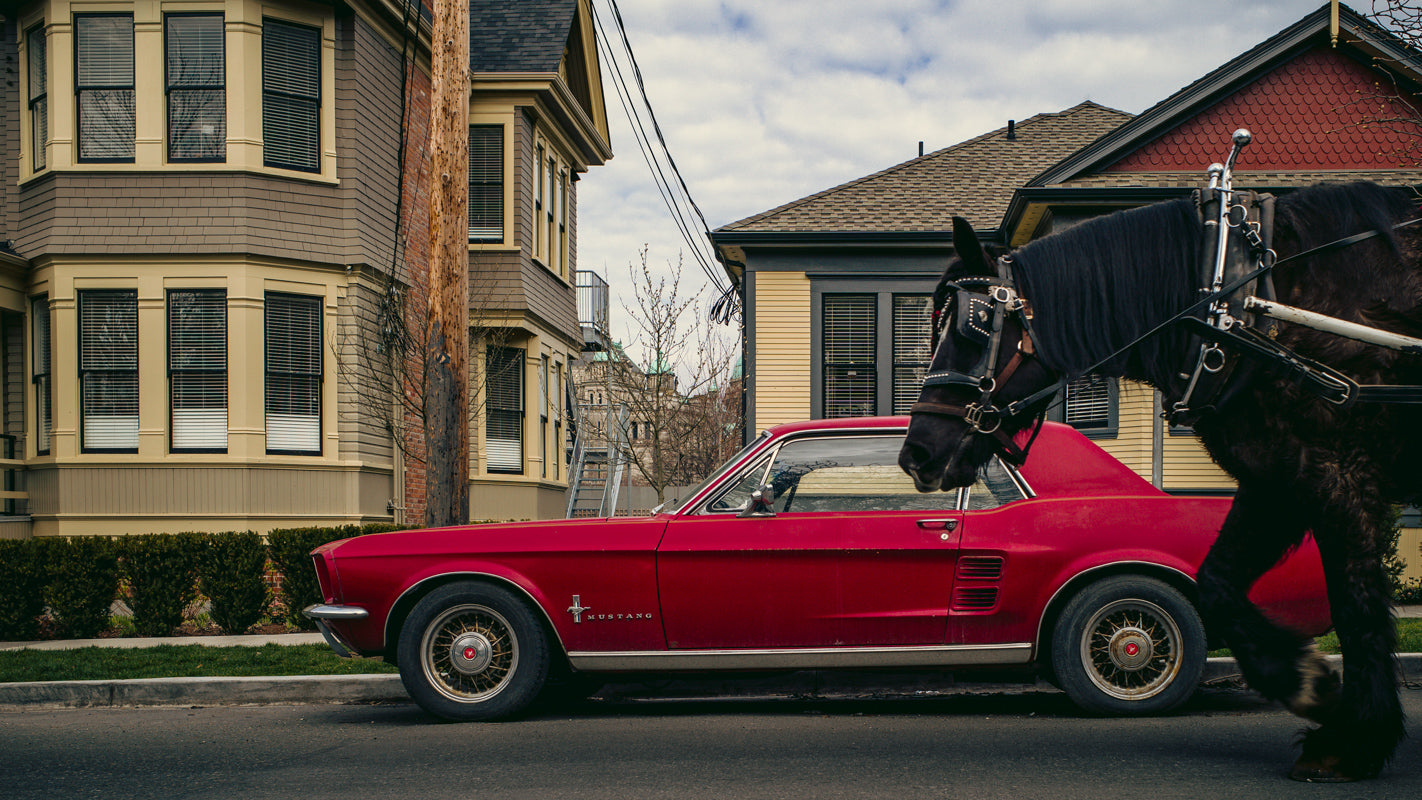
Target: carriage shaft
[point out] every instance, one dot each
(1322, 322)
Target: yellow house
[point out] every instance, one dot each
(835, 285)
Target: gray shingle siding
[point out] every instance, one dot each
(11, 100)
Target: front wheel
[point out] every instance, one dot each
(472, 651)
(1129, 645)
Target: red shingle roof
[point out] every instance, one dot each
(1312, 112)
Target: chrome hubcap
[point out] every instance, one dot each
(470, 653)
(1131, 649)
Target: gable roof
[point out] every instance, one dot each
(974, 179)
(522, 36)
(1292, 91)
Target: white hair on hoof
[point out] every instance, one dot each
(1317, 696)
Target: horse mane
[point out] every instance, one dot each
(1098, 285)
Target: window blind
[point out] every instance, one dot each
(849, 375)
(291, 96)
(504, 435)
(1088, 402)
(44, 410)
(197, 369)
(913, 348)
(293, 373)
(104, 86)
(197, 97)
(486, 183)
(108, 369)
(38, 60)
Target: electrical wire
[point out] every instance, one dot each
(675, 194)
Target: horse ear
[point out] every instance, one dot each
(970, 250)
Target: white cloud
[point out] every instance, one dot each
(765, 102)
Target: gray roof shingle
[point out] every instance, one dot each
(521, 36)
(974, 179)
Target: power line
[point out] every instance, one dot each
(686, 214)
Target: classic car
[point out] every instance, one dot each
(810, 549)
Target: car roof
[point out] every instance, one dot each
(1065, 462)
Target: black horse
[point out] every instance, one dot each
(1303, 464)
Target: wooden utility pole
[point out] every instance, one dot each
(447, 376)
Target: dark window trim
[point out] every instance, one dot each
(43, 381)
(884, 366)
(225, 372)
(266, 161)
(319, 374)
(521, 377)
(39, 158)
(490, 181)
(78, 88)
(168, 89)
(1056, 412)
(80, 297)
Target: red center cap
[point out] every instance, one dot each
(470, 653)
(1132, 649)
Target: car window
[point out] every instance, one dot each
(993, 488)
(738, 494)
(847, 473)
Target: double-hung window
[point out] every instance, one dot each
(197, 87)
(197, 369)
(293, 374)
(913, 348)
(44, 409)
(108, 370)
(291, 96)
(486, 183)
(38, 61)
(849, 337)
(103, 86)
(504, 430)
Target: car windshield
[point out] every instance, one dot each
(720, 471)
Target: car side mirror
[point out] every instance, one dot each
(759, 504)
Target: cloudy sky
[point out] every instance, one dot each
(765, 101)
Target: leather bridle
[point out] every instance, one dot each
(978, 316)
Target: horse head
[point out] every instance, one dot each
(983, 365)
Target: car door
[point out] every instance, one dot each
(850, 555)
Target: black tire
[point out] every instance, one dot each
(473, 651)
(1127, 646)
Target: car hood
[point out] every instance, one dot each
(560, 535)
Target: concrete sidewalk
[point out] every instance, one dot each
(387, 688)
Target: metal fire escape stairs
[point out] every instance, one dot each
(597, 431)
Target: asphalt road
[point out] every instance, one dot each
(1226, 744)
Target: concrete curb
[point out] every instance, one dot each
(310, 689)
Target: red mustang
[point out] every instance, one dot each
(810, 549)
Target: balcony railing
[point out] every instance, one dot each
(592, 301)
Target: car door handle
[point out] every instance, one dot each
(938, 524)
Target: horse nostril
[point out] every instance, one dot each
(912, 458)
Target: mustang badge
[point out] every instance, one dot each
(577, 609)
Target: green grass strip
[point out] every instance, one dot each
(1409, 639)
(176, 661)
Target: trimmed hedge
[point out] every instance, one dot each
(162, 578)
(77, 579)
(83, 582)
(232, 568)
(23, 576)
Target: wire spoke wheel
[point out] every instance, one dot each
(1129, 645)
(1131, 649)
(469, 652)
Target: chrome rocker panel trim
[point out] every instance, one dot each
(802, 658)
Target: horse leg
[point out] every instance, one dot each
(1262, 526)
(1359, 738)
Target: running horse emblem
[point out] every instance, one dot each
(1312, 454)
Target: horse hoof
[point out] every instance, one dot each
(1319, 770)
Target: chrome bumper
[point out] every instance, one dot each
(321, 612)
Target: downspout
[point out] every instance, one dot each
(1157, 442)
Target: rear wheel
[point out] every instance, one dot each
(472, 651)
(1129, 645)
